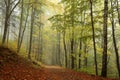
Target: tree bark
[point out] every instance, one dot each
(65, 48)
(72, 37)
(39, 56)
(20, 28)
(85, 57)
(93, 35)
(59, 50)
(31, 32)
(6, 22)
(9, 11)
(72, 51)
(80, 46)
(64, 40)
(22, 35)
(104, 57)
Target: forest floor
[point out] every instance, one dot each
(14, 67)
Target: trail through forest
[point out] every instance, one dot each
(14, 67)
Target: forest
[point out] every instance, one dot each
(80, 35)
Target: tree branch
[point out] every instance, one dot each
(12, 2)
(5, 2)
(14, 8)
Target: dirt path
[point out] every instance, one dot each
(13, 67)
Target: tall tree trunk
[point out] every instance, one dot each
(80, 50)
(2, 22)
(114, 40)
(59, 46)
(72, 51)
(85, 58)
(104, 58)
(80, 41)
(8, 13)
(93, 35)
(6, 22)
(8, 32)
(31, 32)
(20, 28)
(65, 48)
(64, 41)
(39, 56)
(72, 37)
(41, 42)
(58, 49)
(25, 24)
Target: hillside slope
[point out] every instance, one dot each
(14, 67)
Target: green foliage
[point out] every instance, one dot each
(89, 70)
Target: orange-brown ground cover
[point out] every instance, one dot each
(14, 67)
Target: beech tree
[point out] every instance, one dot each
(21, 23)
(104, 58)
(93, 31)
(10, 6)
(31, 31)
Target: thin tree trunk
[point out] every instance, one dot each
(38, 55)
(59, 37)
(8, 32)
(65, 48)
(20, 28)
(8, 13)
(40, 44)
(72, 50)
(22, 35)
(104, 58)
(85, 58)
(72, 37)
(64, 41)
(80, 41)
(114, 41)
(58, 49)
(6, 22)
(2, 21)
(80, 46)
(93, 35)
(31, 32)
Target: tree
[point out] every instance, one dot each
(114, 39)
(104, 58)
(93, 33)
(72, 33)
(64, 38)
(21, 32)
(2, 6)
(21, 24)
(31, 31)
(58, 48)
(65, 48)
(9, 10)
(40, 42)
